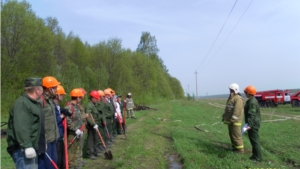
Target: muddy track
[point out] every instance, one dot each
(272, 114)
(155, 147)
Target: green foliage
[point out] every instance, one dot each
(31, 46)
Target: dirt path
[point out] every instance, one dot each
(283, 117)
(148, 145)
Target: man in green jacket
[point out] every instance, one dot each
(101, 120)
(26, 131)
(108, 111)
(252, 118)
(93, 139)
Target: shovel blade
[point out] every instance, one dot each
(108, 155)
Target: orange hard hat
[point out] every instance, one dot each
(113, 92)
(250, 90)
(107, 92)
(95, 94)
(49, 82)
(83, 91)
(76, 93)
(60, 90)
(101, 92)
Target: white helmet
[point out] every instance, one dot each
(129, 94)
(235, 88)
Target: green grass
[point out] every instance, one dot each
(280, 140)
(151, 142)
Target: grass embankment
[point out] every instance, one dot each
(158, 137)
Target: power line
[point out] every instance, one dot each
(218, 34)
(229, 34)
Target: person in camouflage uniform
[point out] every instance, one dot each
(233, 117)
(93, 139)
(25, 128)
(50, 85)
(252, 118)
(129, 106)
(75, 127)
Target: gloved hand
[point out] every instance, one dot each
(78, 132)
(65, 112)
(30, 152)
(96, 127)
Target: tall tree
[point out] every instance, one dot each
(148, 45)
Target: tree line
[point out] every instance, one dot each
(32, 46)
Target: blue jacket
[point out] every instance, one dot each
(59, 122)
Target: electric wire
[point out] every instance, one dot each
(228, 35)
(218, 35)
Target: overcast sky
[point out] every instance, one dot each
(263, 49)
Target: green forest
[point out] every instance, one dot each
(37, 47)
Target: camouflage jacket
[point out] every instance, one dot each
(75, 121)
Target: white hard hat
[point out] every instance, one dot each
(235, 88)
(129, 94)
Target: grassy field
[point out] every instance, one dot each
(167, 138)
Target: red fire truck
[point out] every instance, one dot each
(272, 98)
(295, 99)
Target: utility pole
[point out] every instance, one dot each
(196, 86)
(188, 89)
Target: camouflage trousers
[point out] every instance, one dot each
(74, 152)
(81, 140)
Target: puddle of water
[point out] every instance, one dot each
(173, 163)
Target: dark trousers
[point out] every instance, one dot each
(43, 161)
(92, 142)
(115, 128)
(254, 140)
(109, 128)
(60, 154)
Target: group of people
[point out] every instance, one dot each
(233, 116)
(43, 135)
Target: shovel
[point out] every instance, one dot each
(107, 132)
(72, 141)
(108, 155)
(52, 162)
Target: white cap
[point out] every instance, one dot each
(129, 94)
